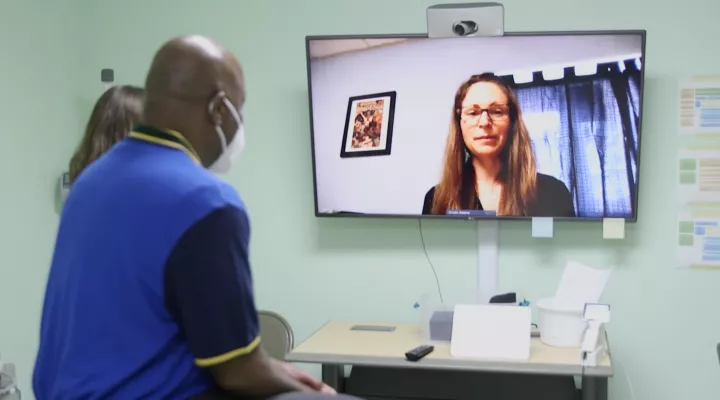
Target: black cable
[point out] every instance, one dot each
(437, 281)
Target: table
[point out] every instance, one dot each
(336, 345)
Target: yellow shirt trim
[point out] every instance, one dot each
(209, 362)
(187, 148)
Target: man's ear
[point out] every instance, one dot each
(216, 109)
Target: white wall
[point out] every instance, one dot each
(425, 74)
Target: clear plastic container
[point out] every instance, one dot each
(8, 385)
(560, 327)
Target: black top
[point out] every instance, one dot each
(553, 199)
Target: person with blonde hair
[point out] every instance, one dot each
(489, 163)
(112, 119)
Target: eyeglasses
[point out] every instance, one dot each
(496, 113)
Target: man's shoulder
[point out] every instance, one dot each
(214, 194)
(178, 176)
(200, 193)
(170, 185)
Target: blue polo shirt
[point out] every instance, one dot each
(150, 281)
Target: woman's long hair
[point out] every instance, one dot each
(518, 174)
(112, 118)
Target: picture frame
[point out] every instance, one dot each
(369, 125)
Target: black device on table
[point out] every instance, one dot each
(419, 352)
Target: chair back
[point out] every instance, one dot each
(276, 333)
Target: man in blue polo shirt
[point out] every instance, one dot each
(150, 293)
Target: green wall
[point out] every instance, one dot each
(665, 321)
(41, 114)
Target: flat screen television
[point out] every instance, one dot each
(518, 126)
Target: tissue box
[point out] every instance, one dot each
(441, 324)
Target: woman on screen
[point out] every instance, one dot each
(489, 162)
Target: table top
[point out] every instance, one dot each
(336, 343)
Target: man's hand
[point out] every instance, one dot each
(306, 379)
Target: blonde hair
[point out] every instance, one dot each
(112, 118)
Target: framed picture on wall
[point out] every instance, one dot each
(369, 125)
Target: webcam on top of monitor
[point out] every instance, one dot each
(465, 28)
(465, 20)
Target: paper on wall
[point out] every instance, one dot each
(542, 227)
(698, 176)
(613, 228)
(698, 239)
(699, 105)
(698, 179)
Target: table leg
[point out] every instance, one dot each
(594, 388)
(333, 375)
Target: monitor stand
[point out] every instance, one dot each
(487, 260)
(485, 19)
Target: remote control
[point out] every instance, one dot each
(419, 352)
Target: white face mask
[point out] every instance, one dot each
(229, 152)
